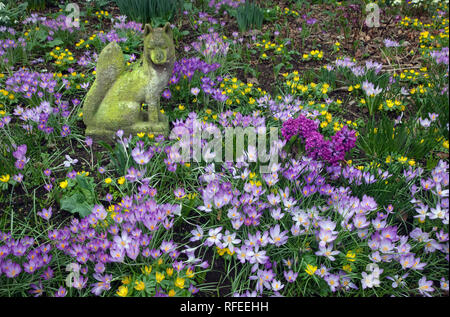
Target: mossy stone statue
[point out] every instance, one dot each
(115, 100)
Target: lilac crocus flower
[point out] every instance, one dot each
(369, 280)
(276, 285)
(61, 292)
(117, 254)
(229, 240)
(140, 156)
(327, 251)
(47, 274)
(214, 236)
(195, 91)
(244, 254)
(391, 43)
(45, 213)
(444, 284)
(197, 234)
(99, 212)
(290, 276)
(80, 283)
(259, 256)
(370, 89)
(88, 141)
(167, 94)
(360, 221)
(326, 236)
(425, 287)
(122, 241)
(103, 284)
(11, 269)
(398, 281)
(37, 290)
(69, 161)
(333, 281)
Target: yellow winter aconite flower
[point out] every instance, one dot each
(63, 184)
(189, 273)
(171, 293)
(220, 251)
(126, 280)
(139, 285)
(445, 144)
(121, 180)
(310, 269)
(159, 277)
(350, 256)
(179, 282)
(122, 291)
(5, 178)
(169, 271)
(347, 268)
(108, 180)
(146, 270)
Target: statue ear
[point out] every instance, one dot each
(147, 29)
(167, 29)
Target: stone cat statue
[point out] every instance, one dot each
(115, 99)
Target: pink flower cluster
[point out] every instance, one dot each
(316, 146)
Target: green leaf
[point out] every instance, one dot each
(76, 203)
(106, 145)
(55, 42)
(41, 35)
(277, 69)
(187, 6)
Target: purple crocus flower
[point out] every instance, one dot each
(290, 276)
(278, 237)
(11, 269)
(36, 290)
(103, 284)
(195, 91)
(46, 213)
(61, 292)
(425, 287)
(167, 94)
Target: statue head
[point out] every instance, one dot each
(159, 48)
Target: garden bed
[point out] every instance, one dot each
(355, 203)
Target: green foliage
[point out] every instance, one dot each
(160, 275)
(118, 157)
(11, 12)
(156, 12)
(79, 196)
(249, 16)
(383, 137)
(102, 3)
(38, 4)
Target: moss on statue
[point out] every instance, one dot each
(115, 100)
